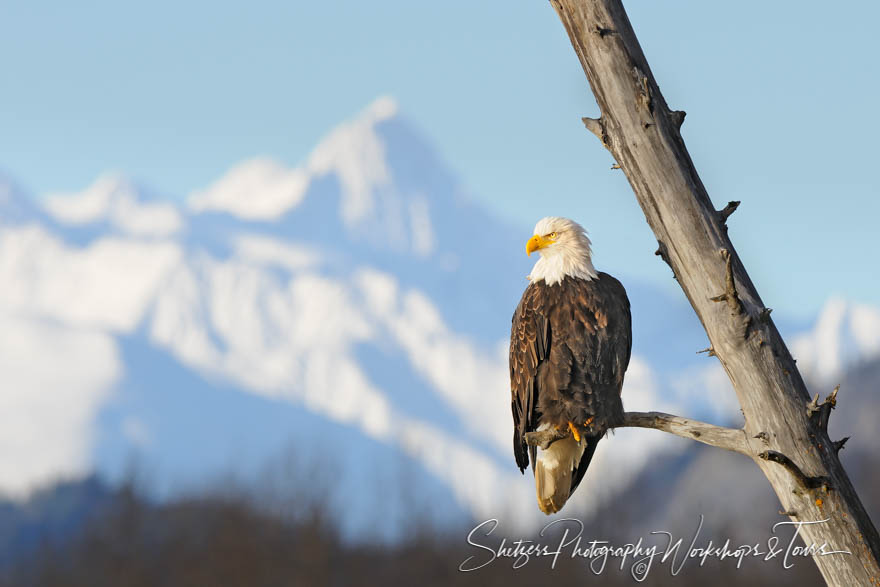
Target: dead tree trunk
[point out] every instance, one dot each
(785, 433)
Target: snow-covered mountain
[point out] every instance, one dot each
(114, 204)
(351, 313)
(845, 334)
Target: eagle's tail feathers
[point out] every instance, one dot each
(553, 472)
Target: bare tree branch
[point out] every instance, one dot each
(717, 436)
(838, 444)
(821, 413)
(805, 481)
(733, 439)
(729, 209)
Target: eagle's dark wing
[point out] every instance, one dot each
(529, 347)
(602, 346)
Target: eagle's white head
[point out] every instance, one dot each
(564, 249)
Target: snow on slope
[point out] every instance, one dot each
(264, 189)
(845, 333)
(115, 200)
(55, 378)
(60, 307)
(364, 288)
(107, 285)
(259, 189)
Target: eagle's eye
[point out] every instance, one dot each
(552, 236)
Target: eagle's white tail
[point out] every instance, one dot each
(553, 472)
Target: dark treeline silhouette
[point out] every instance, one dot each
(233, 538)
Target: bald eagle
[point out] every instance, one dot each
(569, 348)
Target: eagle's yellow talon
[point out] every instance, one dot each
(574, 432)
(589, 421)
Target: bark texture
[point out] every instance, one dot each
(727, 438)
(785, 432)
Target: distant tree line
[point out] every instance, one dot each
(222, 537)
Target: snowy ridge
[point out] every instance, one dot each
(263, 189)
(259, 189)
(844, 334)
(116, 201)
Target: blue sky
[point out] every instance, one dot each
(780, 101)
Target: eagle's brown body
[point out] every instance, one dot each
(570, 345)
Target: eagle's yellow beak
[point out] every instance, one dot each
(535, 243)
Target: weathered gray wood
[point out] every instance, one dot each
(642, 134)
(727, 438)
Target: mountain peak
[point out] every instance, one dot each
(382, 108)
(264, 189)
(356, 152)
(257, 189)
(116, 200)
